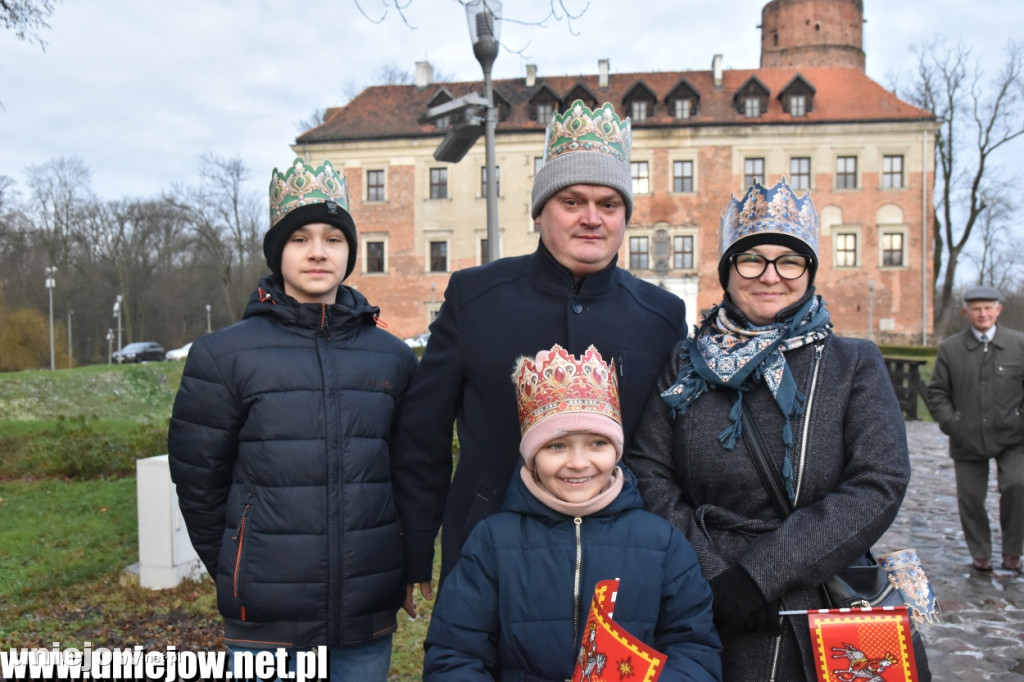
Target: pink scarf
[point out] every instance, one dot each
(574, 509)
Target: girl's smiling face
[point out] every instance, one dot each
(575, 467)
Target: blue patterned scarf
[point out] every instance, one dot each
(724, 353)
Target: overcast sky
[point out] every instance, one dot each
(140, 90)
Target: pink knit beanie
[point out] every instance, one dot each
(559, 394)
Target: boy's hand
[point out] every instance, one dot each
(409, 605)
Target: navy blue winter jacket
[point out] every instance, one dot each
(506, 610)
(279, 449)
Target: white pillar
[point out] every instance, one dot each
(166, 556)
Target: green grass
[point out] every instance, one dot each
(68, 523)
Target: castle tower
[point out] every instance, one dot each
(800, 33)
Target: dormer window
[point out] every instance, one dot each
(682, 101)
(639, 102)
(580, 92)
(543, 104)
(543, 112)
(751, 100)
(797, 97)
(798, 105)
(442, 96)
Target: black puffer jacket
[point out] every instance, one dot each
(279, 449)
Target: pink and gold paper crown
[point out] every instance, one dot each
(555, 382)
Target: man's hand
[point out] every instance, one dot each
(409, 605)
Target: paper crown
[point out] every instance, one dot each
(766, 211)
(583, 129)
(302, 185)
(555, 382)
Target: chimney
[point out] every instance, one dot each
(716, 66)
(602, 69)
(531, 75)
(424, 74)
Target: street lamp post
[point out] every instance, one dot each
(208, 318)
(50, 283)
(484, 18)
(70, 315)
(117, 314)
(871, 309)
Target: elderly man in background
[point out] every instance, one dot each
(976, 394)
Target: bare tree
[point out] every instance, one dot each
(997, 256)
(228, 225)
(60, 191)
(976, 120)
(25, 17)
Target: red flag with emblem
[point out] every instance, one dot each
(863, 645)
(607, 651)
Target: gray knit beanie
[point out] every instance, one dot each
(585, 147)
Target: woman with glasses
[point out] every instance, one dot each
(766, 361)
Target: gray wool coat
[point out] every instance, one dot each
(851, 465)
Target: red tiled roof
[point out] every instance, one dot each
(841, 95)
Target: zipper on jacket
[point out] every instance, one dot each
(818, 350)
(239, 537)
(323, 320)
(576, 584)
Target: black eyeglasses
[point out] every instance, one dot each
(753, 265)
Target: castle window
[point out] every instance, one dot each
(639, 170)
(798, 105)
(483, 181)
(846, 172)
(375, 185)
(800, 172)
(638, 111)
(438, 183)
(892, 171)
(753, 171)
(543, 112)
(438, 256)
(682, 109)
(752, 107)
(639, 253)
(892, 249)
(846, 250)
(682, 252)
(375, 251)
(682, 176)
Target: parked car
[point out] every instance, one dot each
(418, 341)
(139, 351)
(179, 353)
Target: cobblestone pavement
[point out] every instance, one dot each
(982, 633)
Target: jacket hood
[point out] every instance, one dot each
(349, 311)
(519, 499)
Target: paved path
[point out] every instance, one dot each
(982, 633)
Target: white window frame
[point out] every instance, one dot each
(639, 179)
(844, 231)
(888, 230)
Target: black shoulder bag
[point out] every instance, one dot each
(854, 586)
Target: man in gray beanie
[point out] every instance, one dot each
(976, 394)
(570, 292)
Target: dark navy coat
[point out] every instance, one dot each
(506, 610)
(279, 449)
(491, 316)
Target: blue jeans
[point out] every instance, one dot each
(361, 663)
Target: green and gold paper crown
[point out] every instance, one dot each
(302, 185)
(583, 129)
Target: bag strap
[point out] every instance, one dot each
(770, 475)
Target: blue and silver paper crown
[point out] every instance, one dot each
(769, 211)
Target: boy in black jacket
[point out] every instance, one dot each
(279, 446)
